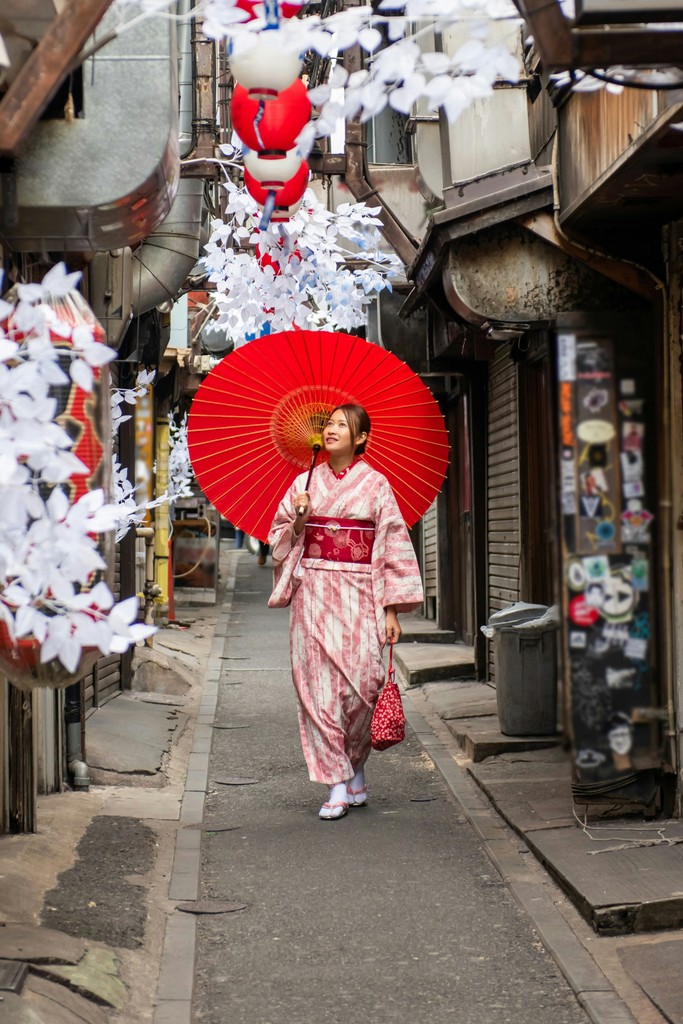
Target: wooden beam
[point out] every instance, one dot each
(628, 275)
(562, 46)
(551, 31)
(41, 75)
(629, 47)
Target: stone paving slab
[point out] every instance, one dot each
(39, 945)
(130, 735)
(617, 887)
(461, 700)
(657, 969)
(96, 976)
(61, 1004)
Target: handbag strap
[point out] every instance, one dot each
(392, 671)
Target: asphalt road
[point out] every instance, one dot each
(393, 915)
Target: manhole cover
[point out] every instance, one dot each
(236, 780)
(210, 907)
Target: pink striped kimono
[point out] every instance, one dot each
(337, 628)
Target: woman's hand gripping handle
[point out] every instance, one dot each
(302, 506)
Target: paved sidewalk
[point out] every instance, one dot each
(622, 876)
(393, 914)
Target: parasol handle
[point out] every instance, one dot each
(316, 452)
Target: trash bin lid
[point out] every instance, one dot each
(522, 611)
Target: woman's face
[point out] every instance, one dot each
(337, 436)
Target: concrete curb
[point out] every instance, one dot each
(176, 976)
(592, 989)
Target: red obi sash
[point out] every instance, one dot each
(339, 540)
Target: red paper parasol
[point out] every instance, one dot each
(257, 415)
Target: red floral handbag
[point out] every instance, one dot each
(388, 725)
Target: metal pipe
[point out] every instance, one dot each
(74, 749)
(151, 589)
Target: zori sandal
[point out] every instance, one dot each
(332, 812)
(358, 797)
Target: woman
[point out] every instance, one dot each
(342, 554)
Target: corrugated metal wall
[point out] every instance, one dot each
(430, 560)
(503, 487)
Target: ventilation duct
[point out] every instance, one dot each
(106, 178)
(165, 259)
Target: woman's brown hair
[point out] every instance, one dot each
(358, 421)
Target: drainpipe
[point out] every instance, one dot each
(74, 749)
(151, 590)
(357, 178)
(162, 519)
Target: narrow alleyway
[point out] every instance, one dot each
(393, 914)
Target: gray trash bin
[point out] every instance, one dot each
(525, 651)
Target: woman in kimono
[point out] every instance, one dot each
(342, 556)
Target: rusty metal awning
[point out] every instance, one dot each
(43, 45)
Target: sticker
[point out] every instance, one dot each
(620, 733)
(605, 532)
(627, 387)
(632, 436)
(595, 431)
(589, 758)
(615, 635)
(620, 678)
(596, 567)
(567, 414)
(593, 361)
(635, 524)
(566, 357)
(619, 598)
(631, 407)
(596, 400)
(594, 481)
(634, 489)
(581, 613)
(577, 640)
(595, 595)
(632, 465)
(568, 483)
(590, 506)
(576, 575)
(635, 648)
(640, 574)
(641, 626)
(598, 647)
(597, 456)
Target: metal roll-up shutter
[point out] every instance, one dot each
(430, 560)
(503, 487)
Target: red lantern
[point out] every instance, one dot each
(266, 260)
(82, 414)
(286, 10)
(271, 127)
(20, 662)
(281, 214)
(288, 195)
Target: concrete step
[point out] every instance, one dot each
(480, 738)
(426, 663)
(422, 631)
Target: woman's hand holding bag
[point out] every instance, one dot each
(388, 725)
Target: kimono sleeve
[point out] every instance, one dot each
(285, 548)
(395, 570)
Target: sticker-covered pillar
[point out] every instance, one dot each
(607, 493)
